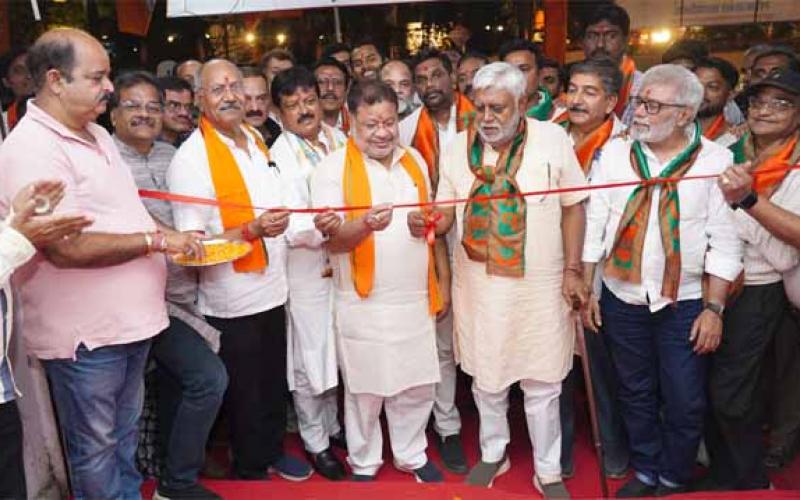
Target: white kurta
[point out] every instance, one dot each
(310, 340)
(510, 329)
(386, 342)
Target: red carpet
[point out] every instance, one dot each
(394, 485)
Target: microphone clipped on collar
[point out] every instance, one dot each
(274, 165)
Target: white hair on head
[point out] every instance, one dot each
(501, 76)
(688, 89)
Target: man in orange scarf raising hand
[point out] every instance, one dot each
(430, 130)
(226, 159)
(386, 294)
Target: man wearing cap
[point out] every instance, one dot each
(766, 197)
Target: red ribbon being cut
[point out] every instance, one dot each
(182, 198)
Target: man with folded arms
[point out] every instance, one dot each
(92, 301)
(386, 294)
(227, 159)
(658, 241)
(757, 339)
(515, 263)
(312, 373)
(430, 130)
(591, 96)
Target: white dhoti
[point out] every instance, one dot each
(543, 419)
(407, 415)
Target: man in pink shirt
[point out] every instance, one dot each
(90, 302)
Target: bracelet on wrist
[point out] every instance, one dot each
(148, 241)
(248, 235)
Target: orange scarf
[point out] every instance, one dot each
(562, 119)
(12, 116)
(230, 187)
(426, 138)
(345, 120)
(628, 68)
(356, 188)
(587, 149)
(767, 183)
(716, 128)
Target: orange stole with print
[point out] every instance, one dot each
(766, 183)
(229, 187)
(357, 192)
(628, 68)
(586, 150)
(426, 137)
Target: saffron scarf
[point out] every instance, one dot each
(230, 187)
(628, 68)
(426, 137)
(355, 183)
(625, 260)
(494, 230)
(586, 150)
(716, 128)
(345, 117)
(541, 110)
(766, 184)
(12, 115)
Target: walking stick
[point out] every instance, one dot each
(587, 376)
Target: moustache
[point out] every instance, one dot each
(304, 118)
(229, 105)
(598, 53)
(254, 113)
(329, 95)
(105, 97)
(577, 109)
(137, 121)
(433, 93)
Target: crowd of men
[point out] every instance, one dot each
(687, 289)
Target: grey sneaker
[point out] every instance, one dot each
(551, 490)
(428, 473)
(484, 473)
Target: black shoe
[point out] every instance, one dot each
(339, 441)
(635, 488)
(362, 478)
(452, 454)
(662, 490)
(326, 463)
(775, 458)
(567, 471)
(708, 483)
(195, 491)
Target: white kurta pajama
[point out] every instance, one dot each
(386, 342)
(518, 329)
(311, 350)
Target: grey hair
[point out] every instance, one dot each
(688, 89)
(500, 75)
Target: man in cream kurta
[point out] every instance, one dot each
(517, 329)
(386, 341)
(311, 359)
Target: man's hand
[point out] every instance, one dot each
(378, 217)
(188, 243)
(574, 290)
(706, 333)
(736, 183)
(273, 222)
(447, 302)
(417, 224)
(328, 222)
(32, 206)
(591, 314)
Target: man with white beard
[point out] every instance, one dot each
(398, 75)
(658, 240)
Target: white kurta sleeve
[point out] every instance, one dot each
(326, 185)
(725, 247)
(15, 250)
(184, 176)
(571, 173)
(598, 213)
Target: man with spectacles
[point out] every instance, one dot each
(658, 240)
(190, 378)
(177, 120)
(333, 79)
(760, 333)
(226, 159)
(605, 34)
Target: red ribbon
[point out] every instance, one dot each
(182, 198)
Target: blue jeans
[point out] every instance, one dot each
(191, 382)
(98, 400)
(662, 385)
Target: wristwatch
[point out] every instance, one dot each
(717, 309)
(747, 202)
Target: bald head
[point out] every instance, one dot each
(58, 49)
(220, 93)
(398, 75)
(187, 71)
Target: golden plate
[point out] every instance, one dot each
(217, 252)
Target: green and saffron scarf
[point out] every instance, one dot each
(494, 230)
(541, 110)
(625, 261)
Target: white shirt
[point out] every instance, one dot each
(708, 243)
(223, 292)
(766, 257)
(408, 129)
(15, 250)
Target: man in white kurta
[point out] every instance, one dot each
(517, 329)
(386, 340)
(311, 359)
